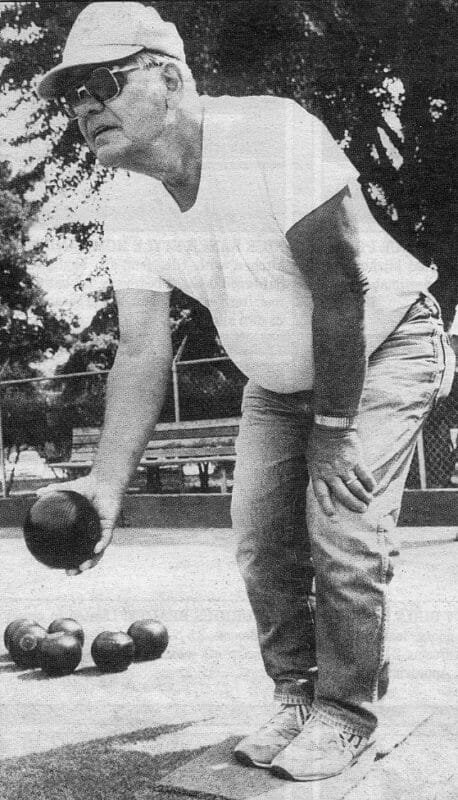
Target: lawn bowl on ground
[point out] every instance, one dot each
(25, 645)
(112, 651)
(150, 639)
(12, 627)
(116, 736)
(67, 625)
(59, 654)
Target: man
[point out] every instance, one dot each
(248, 205)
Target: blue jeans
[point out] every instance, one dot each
(337, 656)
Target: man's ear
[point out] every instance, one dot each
(174, 82)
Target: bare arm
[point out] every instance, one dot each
(325, 246)
(135, 394)
(136, 386)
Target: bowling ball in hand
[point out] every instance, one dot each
(67, 625)
(61, 529)
(25, 645)
(112, 651)
(59, 654)
(150, 639)
(12, 627)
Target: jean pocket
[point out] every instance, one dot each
(388, 538)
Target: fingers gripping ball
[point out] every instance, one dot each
(150, 638)
(61, 529)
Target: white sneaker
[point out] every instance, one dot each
(319, 751)
(260, 749)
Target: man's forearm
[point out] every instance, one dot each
(339, 353)
(325, 246)
(135, 395)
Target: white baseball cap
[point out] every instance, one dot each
(106, 32)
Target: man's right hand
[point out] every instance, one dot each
(338, 470)
(107, 503)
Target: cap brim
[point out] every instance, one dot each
(51, 84)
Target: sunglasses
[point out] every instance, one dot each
(103, 84)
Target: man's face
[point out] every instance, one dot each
(122, 131)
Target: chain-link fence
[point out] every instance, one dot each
(435, 462)
(434, 465)
(40, 413)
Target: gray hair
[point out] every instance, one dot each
(147, 59)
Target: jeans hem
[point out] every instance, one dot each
(344, 720)
(293, 699)
(296, 692)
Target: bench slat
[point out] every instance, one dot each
(151, 462)
(169, 430)
(190, 445)
(224, 441)
(172, 445)
(184, 453)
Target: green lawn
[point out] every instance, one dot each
(98, 770)
(95, 736)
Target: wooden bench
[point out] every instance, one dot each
(201, 442)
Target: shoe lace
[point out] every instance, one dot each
(341, 740)
(296, 716)
(351, 740)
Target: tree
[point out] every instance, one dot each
(380, 75)
(28, 328)
(206, 391)
(378, 72)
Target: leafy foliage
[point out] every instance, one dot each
(337, 57)
(378, 72)
(28, 327)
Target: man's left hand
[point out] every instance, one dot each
(337, 470)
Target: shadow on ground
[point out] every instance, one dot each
(38, 675)
(102, 769)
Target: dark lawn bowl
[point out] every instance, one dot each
(112, 651)
(150, 638)
(12, 627)
(61, 530)
(67, 625)
(25, 645)
(60, 654)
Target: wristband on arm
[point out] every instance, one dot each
(336, 423)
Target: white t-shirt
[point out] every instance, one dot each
(266, 164)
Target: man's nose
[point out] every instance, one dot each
(87, 104)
